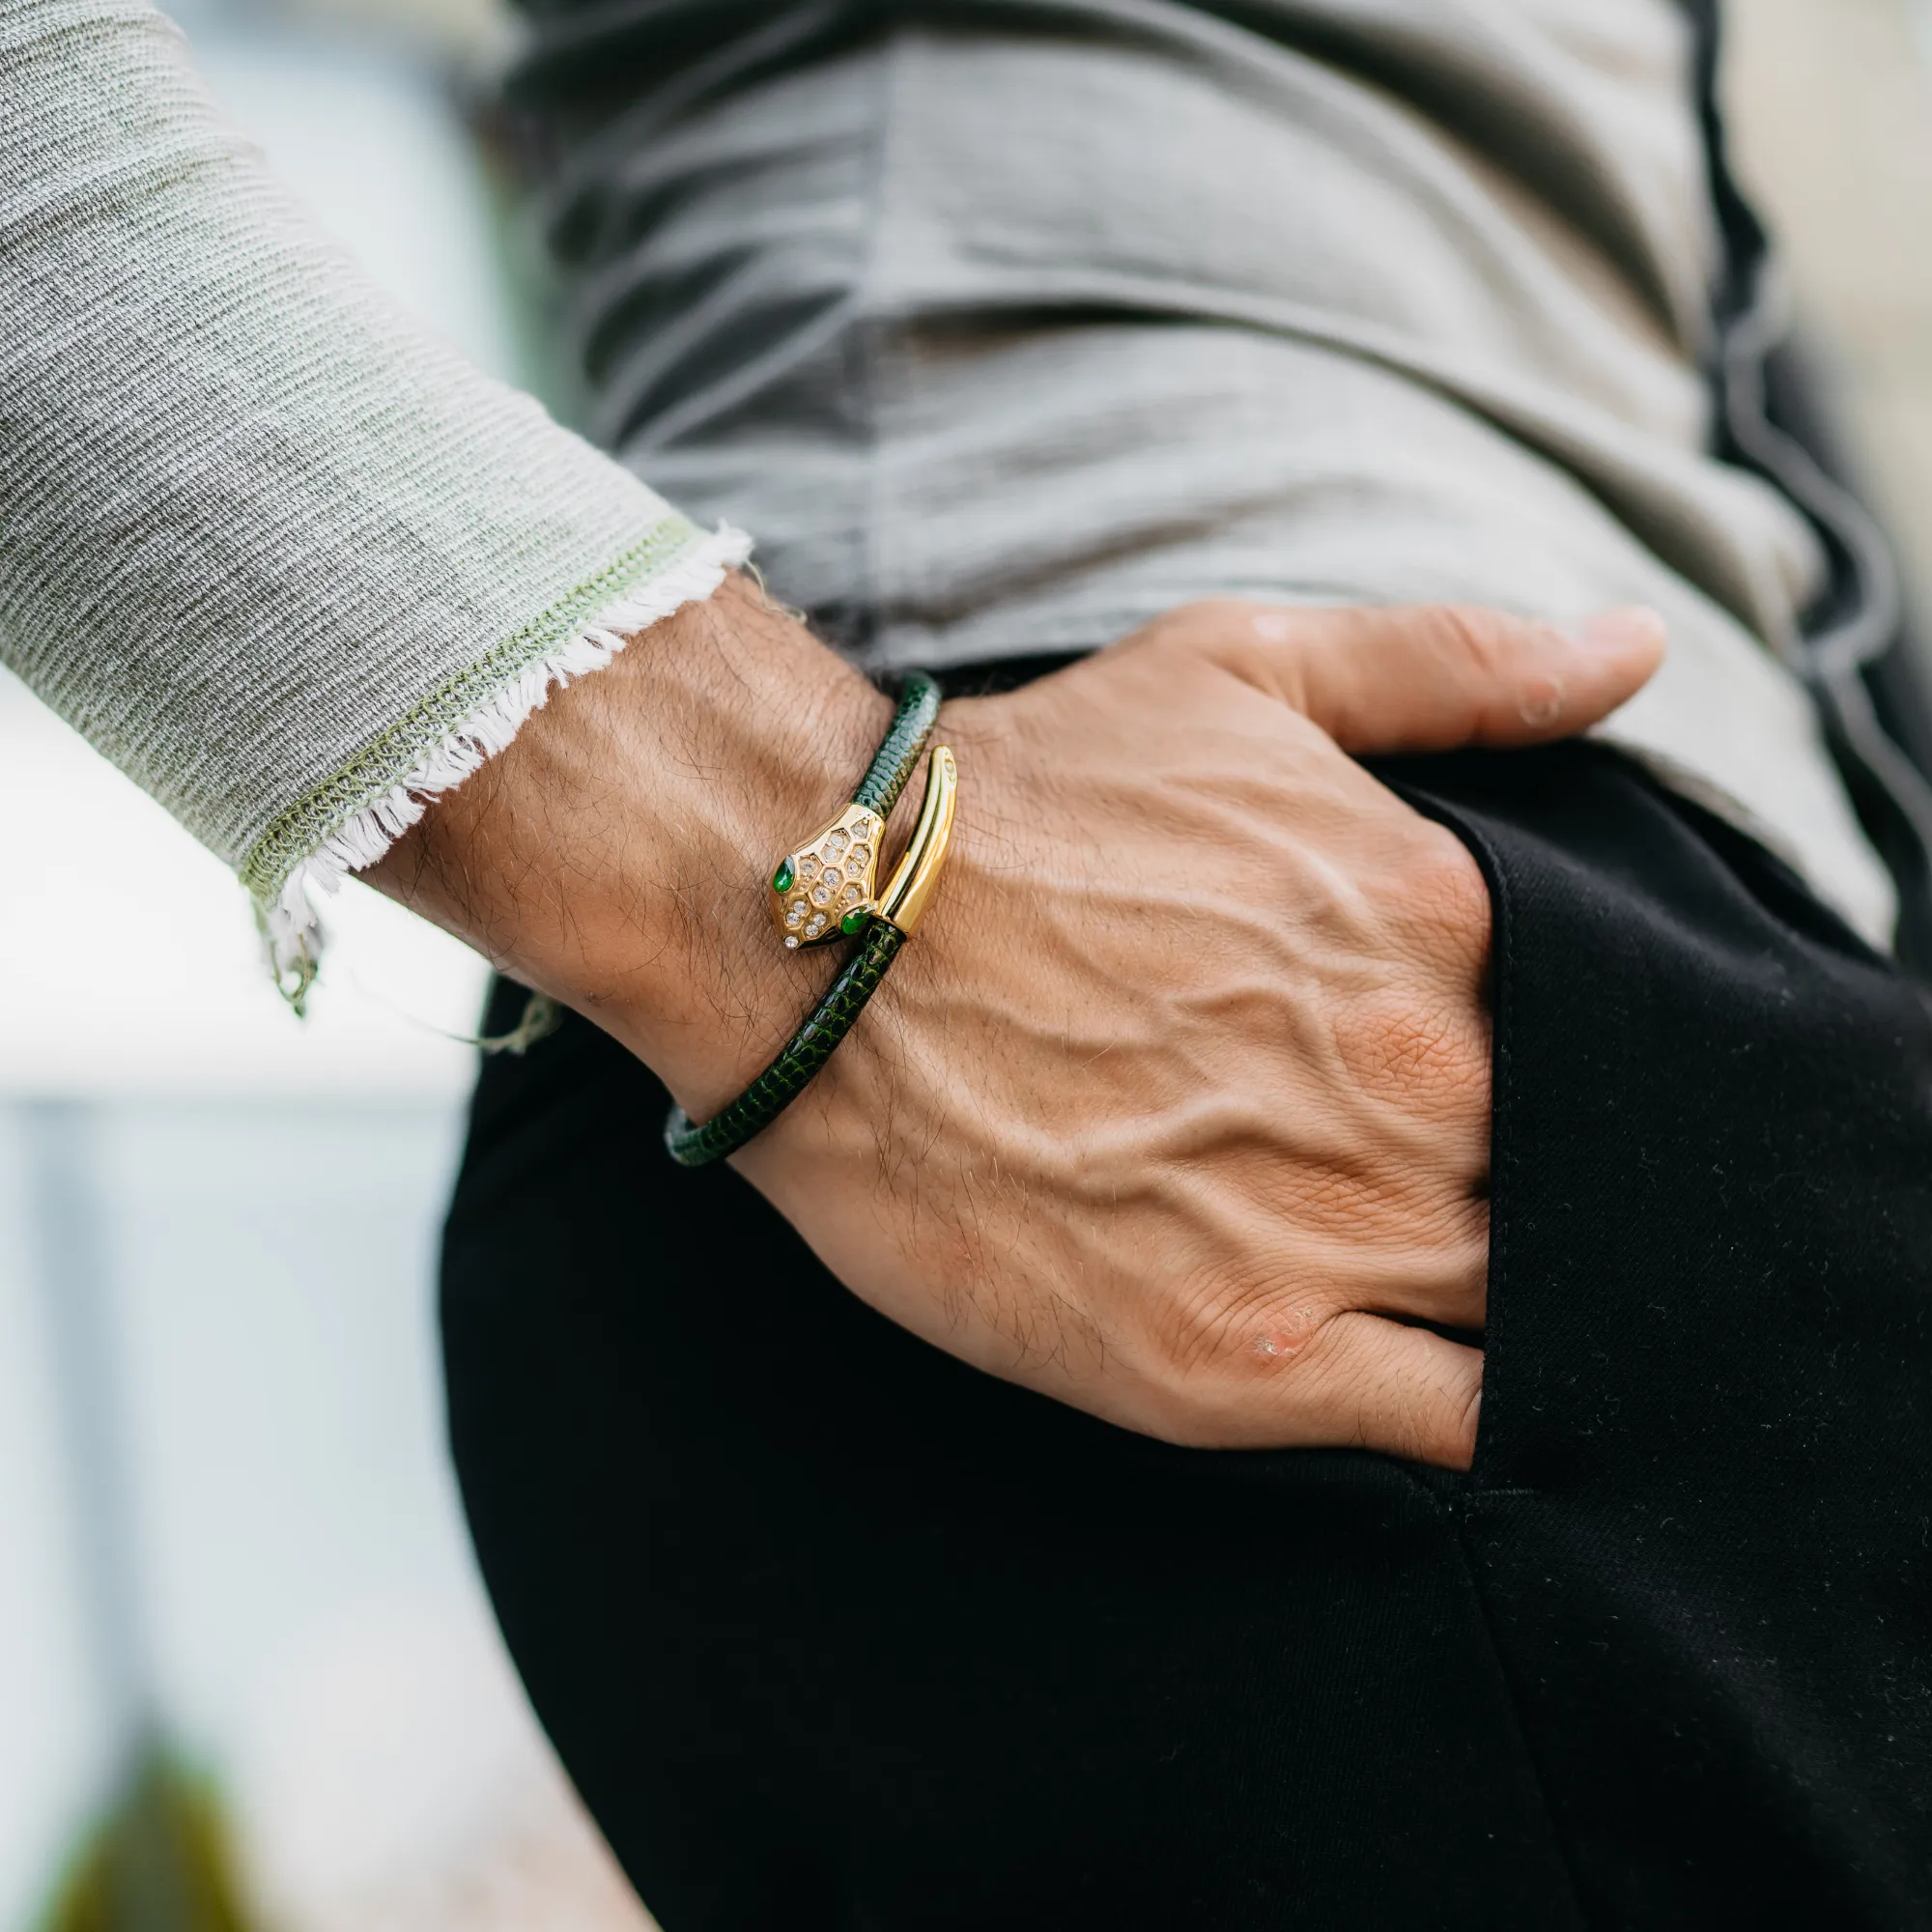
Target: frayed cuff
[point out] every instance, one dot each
(288, 909)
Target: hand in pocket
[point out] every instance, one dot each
(1179, 1109)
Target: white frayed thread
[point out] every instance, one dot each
(291, 922)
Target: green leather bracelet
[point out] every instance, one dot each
(698, 1144)
(825, 890)
(898, 757)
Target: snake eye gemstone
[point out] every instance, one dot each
(781, 879)
(853, 921)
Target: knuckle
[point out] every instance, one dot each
(1440, 883)
(1205, 623)
(1432, 1056)
(1288, 1362)
(1214, 614)
(1209, 1322)
(1440, 1271)
(1465, 1293)
(1477, 636)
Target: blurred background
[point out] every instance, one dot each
(246, 1672)
(247, 1677)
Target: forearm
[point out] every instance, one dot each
(283, 556)
(614, 855)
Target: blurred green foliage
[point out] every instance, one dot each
(157, 1859)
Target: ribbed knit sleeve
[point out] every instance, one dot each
(282, 556)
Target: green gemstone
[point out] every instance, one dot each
(854, 922)
(781, 879)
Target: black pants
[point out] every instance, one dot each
(835, 1632)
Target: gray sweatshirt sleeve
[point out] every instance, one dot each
(283, 556)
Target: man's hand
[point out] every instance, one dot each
(1178, 1109)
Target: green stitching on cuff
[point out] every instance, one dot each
(307, 824)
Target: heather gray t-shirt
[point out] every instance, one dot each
(1006, 327)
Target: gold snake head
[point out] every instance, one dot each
(829, 887)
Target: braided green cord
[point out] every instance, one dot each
(805, 1055)
(898, 753)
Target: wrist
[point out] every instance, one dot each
(614, 855)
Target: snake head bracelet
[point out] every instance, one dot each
(827, 888)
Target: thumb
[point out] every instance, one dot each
(1430, 677)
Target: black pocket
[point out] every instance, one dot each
(1698, 1515)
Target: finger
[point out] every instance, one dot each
(1431, 678)
(1362, 1381)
